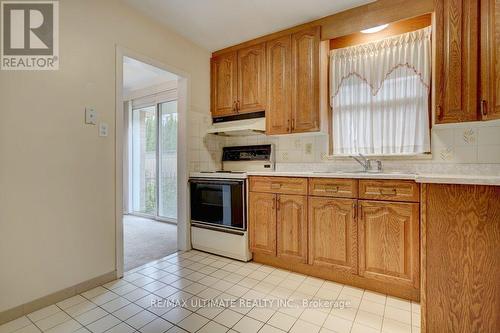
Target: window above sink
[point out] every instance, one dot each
(380, 92)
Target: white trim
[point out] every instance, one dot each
(152, 90)
(184, 102)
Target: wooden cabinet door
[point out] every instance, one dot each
(305, 80)
(333, 234)
(262, 222)
(457, 36)
(490, 59)
(252, 79)
(292, 227)
(460, 258)
(388, 236)
(224, 84)
(279, 65)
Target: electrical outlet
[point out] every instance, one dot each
(103, 129)
(309, 148)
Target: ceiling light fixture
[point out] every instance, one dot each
(375, 29)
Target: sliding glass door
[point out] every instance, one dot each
(167, 182)
(154, 160)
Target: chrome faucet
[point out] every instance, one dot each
(367, 163)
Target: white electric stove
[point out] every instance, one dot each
(219, 201)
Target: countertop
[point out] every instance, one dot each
(434, 178)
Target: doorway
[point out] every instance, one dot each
(150, 162)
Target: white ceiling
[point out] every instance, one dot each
(215, 24)
(138, 75)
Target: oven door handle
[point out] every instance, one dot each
(210, 181)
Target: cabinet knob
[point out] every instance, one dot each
(275, 185)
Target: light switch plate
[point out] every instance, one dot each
(103, 129)
(90, 116)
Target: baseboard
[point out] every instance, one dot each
(21, 310)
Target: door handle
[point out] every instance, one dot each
(391, 191)
(333, 189)
(484, 109)
(354, 208)
(238, 106)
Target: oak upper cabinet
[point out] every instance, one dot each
(252, 79)
(456, 69)
(490, 59)
(292, 227)
(238, 81)
(333, 234)
(224, 90)
(293, 82)
(388, 236)
(262, 222)
(305, 80)
(279, 93)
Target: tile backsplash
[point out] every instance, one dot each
(451, 144)
(205, 150)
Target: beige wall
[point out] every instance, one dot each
(56, 175)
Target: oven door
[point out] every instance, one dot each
(218, 202)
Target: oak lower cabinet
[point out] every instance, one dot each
(388, 236)
(262, 222)
(292, 227)
(278, 225)
(460, 258)
(363, 233)
(333, 234)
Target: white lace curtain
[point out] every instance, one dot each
(380, 96)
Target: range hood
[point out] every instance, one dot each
(232, 126)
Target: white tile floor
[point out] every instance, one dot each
(137, 303)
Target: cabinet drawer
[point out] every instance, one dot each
(393, 190)
(284, 185)
(330, 187)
